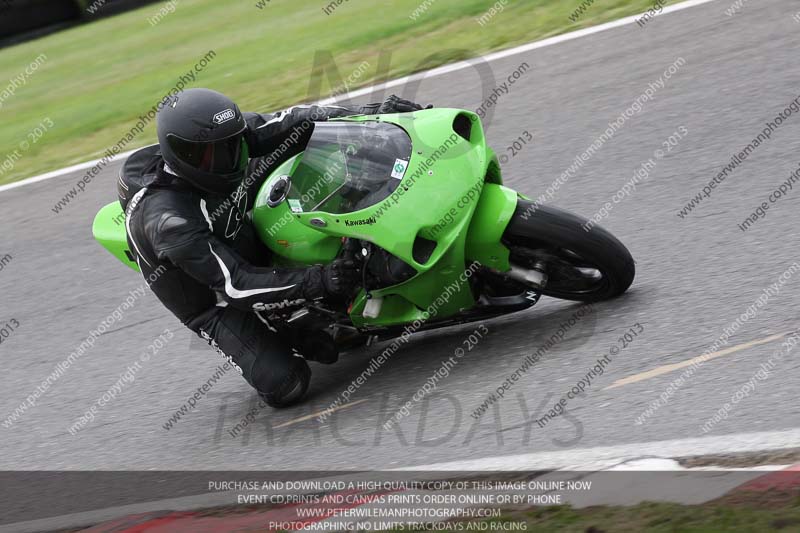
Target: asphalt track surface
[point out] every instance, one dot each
(695, 276)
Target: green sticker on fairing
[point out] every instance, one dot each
(399, 169)
(295, 206)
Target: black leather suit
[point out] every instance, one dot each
(209, 266)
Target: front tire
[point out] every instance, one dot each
(585, 266)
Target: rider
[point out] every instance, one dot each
(187, 202)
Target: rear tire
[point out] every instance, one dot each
(585, 266)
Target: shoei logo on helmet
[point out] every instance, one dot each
(224, 116)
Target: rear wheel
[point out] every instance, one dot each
(581, 265)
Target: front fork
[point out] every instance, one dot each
(484, 243)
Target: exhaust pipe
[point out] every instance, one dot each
(532, 277)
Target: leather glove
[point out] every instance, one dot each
(395, 104)
(337, 280)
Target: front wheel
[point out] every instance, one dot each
(586, 266)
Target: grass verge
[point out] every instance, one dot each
(97, 79)
(740, 512)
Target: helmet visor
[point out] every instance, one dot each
(226, 156)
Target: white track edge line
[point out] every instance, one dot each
(602, 457)
(446, 69)
(62, 171)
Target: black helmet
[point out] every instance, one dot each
(201, 135)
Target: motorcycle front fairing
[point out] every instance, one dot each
(408, 184)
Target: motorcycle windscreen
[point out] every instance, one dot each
(349, 166)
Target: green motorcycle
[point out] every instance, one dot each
(418, 200)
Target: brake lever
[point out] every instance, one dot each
(359, 253)
(366, 254)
